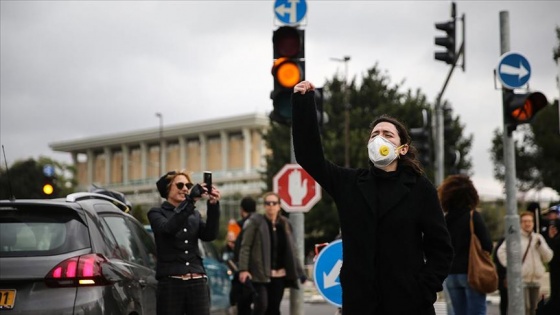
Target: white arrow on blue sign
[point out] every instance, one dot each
(290, 11)
(513, 70)
(48, 170)
(326, 273)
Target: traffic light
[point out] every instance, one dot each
(422, 140)
(48, 186)
(49, 182)
(521, 108)
(288, 69)
(449, 40)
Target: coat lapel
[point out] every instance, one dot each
(366, 184)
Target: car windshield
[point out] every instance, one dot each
(41, 231)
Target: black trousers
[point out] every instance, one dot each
(180, 297)
(267, 299)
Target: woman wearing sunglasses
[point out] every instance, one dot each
(177, 226)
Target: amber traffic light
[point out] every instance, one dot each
(288, 69)
(521, 108)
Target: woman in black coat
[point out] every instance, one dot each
(397, 250)
(458, 197)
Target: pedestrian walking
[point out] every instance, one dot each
(458, 198)
(549, 229)
(397, 250)
(536, 253)
(267, 257)
(177, 226)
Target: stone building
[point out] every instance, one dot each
(232, 148)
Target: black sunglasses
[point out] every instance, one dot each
(271, 203)
(181, 185)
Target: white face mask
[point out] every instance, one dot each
(382, 152)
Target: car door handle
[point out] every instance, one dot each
(142, 283)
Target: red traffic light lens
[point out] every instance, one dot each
(287, 42)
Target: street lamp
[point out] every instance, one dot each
(346, 105)
(160, 116)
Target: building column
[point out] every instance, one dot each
(225, 152)
(182, 152)
(246, 150)
(144, 160)
(90, 160)
(163, 157)
(108, 158)
(203, 152)
(125, 154)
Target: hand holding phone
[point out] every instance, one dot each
(207, 176)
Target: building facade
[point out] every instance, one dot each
(232, 148)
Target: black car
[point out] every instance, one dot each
(79, 255)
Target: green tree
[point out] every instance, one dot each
(376, 95)
(25, 179)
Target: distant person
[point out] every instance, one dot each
(228, 251)
(177, 226)
(550, 231)
(242, 294)
(397, 250)
(458, 197)
(502, 280)
(268, 258)
(535, 254)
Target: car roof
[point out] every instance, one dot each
(73, 201)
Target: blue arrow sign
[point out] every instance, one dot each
(326, 273)
(48, 170)
(513, 70)
(290, 11)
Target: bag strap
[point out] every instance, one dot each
(527, 249)
(472, 222)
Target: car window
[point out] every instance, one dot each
(146, 240)
(211, 251)
(41, 231)
(128, 246)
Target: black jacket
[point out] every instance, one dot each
(459, 226)
(396, 247)
(177, 234)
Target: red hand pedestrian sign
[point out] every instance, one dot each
(298, 191)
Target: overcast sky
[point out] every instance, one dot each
(75, 69)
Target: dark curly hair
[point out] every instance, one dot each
(457, 192)
(410, 158)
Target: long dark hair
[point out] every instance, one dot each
(410, 158)
(457, 192)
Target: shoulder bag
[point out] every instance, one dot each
(481, 274)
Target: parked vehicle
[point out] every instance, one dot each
(219, 280)
(82, 254)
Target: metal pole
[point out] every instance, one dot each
(297, 220)
(160, 164)
(516, 303)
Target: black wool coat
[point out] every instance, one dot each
(396, 248)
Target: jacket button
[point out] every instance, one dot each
(187, 264)
(186, 241)
(186, 252)
(184, 230)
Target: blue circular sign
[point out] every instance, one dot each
(513, 70)
(48, 170)
(290, 11)
(326, 273)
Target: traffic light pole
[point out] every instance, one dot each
(516, 304)
(297, 220)
(439, 139)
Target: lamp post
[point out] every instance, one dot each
(160, 116)
(346, 105)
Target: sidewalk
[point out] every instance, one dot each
(312, 295)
